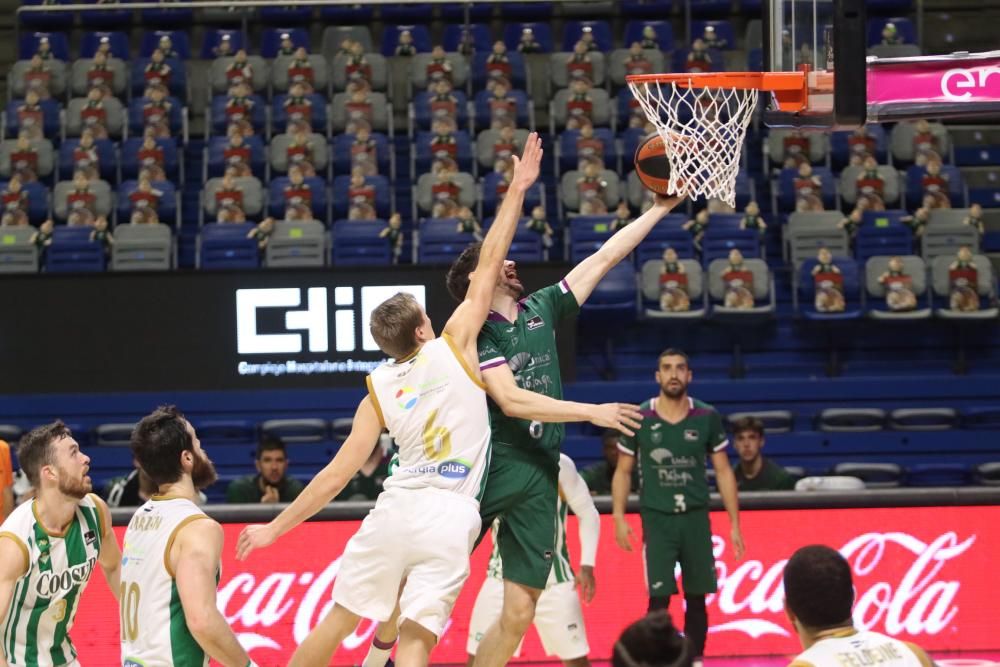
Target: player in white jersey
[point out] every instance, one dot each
(819, 595)
(558, 615)
(433, 402)
(171, 559)
(48, 549)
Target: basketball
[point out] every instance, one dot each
(652, 165)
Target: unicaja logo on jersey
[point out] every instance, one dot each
(406, 398)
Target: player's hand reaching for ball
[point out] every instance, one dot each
(620, 416)
(527, 166)
(624, 535)
(666, 203)
(253, 537)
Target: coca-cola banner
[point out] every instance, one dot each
(918, 572)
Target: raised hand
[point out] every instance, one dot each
(527, 166)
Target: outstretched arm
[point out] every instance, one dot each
(325, 486)
(585, 275)
(468, 318)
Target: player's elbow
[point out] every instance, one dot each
(201, 621)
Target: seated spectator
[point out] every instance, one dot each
(752, 219)
(580, 105)
(808, 189)
(150, 158)
(698, 58)
(224, 47)
(30, 117)
(269, 485)
(623, 216)
(94, 115)
(796, 147)
(393, 233)
(438, 68)
(590, 185)
(467, 223)
(102, 235)
(45, 49)
(357, 67)
(239, 107)
(81, 202)
(497, 63)
(367, 483)
(229, 199)
(236, 154)
(15, 203)
(359, 192)
(131, 490)
(300, 71)
(871, 185)
(156, 113)
(580, 64)
(406, 47)
(300, 152)
(262, 233)
(925, 143)
(359, 111)
(589, 147)
(527, 43)
(298, 196)
(890, 35)
(649, 38)
(713, 39)
(861, 146)
(696, 227)
(364, 153)
(42, 238)
(100, 75)
(598, 476)
(443, 103)
(85, 156)
(587, 39)
(917, 221)
(144, 200)
(539, 224)
(652, 641)
(166, 46)
(239, 71)
(852, 221)
(935, 185)
(819, 597)
(637, 62)
(158, 73)
(505, 146)
(287, 46)
(756, 472)
(975, 218)
(38, 77)
(24, 159)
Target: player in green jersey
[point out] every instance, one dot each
(677, 434)
(517, 349)
(49, 547)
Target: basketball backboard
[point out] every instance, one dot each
(826, 39)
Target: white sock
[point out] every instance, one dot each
(376, 657)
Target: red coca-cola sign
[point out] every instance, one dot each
(918, 574)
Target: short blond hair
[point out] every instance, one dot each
(394, 324)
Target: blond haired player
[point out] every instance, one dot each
(433, 402)
(48, 549)
(819, 595)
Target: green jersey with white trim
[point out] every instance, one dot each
(46, 597)
(671, 457)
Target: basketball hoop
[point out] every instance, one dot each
(703, 119)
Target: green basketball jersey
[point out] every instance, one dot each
(671, 457)
(41, 613)
(528, 346)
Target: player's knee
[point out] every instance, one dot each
(518, 613)
(659, 603)
(410, 631)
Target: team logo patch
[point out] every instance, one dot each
(691, 435)
(534, 323)
(548, 555)
(407, 397)
(89, 536)
(454, 469)
(660, 455)
(656, 437)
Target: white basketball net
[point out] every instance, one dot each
(703, 131)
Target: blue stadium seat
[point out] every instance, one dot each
(91, 40)
(518, 73)
(569, 158)
(724, 222)
(105, 155)
(166, 209)
(491, 202)
(755, 60)
(616, 295)
(318, 119)
(136, 118)
(482, 36)
(481, 105)
(357, 243)
(213, 37)
(456, 12)
(601, 31)
(527, 245)
(710, 8)
(915, 190)
(282, 14)
(883, 219)
(423, 116)
(542, 31)
(167, 17)
(341, 153)
(390, 38)
(38, 200)
(905, 30)
(178, 38)
(872, 241)
(986, 193)
(586, 234)
(341, 187)
(651, 9)
(347, 14)
(104, 17)
(977, 155)
(407, 12)
(851, 289)
(525, 11)
(666, 234)
(631, 138)
(786, 188)
(440, 243)
(716, 244)
(840, 150)
(723, 31)
(47, 20)
(227, 432)
(226, 246)
(937, 474)
(215, 161)
(58, 44)
(130, 158)
(664, 33)
(72, 251)
(258, 114)
(317, 187)
(424, 155)
(981, 418)
(270, 39)
(50, 118)
(178, 77)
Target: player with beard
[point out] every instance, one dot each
(517, 350)
(171, 564)
(48, 549)
(670, 447)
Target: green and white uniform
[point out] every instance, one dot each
(524, 470)
(154, 631)
(46, 597)
(673, 495)
(558, 616)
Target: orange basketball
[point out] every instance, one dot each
(652, 165)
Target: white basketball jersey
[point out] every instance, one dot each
(435, 408)
(859, 648)
(36, 629)
(154, 632)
